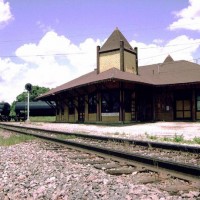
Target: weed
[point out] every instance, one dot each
(178, 138)
(151, 137)
(167, 139)
(197, 140)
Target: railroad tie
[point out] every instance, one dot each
(121, 170)
(152, 178)
(93, 162)
(107, 166)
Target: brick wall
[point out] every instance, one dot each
(109, 60)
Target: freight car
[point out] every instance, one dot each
(5, 111)
(36, 108)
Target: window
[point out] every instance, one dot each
(92, 103)
(57, 108)
(198, 101)
(110, 102)
(71, 107)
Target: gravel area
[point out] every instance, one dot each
(28, 171)
(188, 130)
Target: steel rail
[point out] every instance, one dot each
(188, 170)
(161, 145)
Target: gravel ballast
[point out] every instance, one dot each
(31, 172)
(28, 171)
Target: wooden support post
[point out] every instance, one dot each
(154, 106)
(121, 103)
(98, 106)
(193, 105)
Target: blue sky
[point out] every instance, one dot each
(50, 42)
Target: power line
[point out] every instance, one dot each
(164, 53)
(157, 47)
(42, 55)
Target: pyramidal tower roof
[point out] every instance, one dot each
(113, 42)
(168, 59)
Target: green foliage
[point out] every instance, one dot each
(12, 109)
(35, 92)
(178, 138)
(197, 140)
(167, 139)
(43, 119)
(151, 137)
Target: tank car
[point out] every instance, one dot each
(5, 111)
(36, 108)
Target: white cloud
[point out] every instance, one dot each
(180, 48)
(11, 75)
(52, 61)
(158, 41)
(188, 18)
(55, 60)
(5, 13)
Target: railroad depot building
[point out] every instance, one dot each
(120, 91)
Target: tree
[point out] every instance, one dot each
(35, 92)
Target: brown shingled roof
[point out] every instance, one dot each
(93, 77)
(177, 72)
(167, 73)
(113, 42)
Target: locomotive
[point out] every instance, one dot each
(5, 111)
(36, 108)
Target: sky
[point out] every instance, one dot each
(48, 42)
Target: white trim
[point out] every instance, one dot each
(109, 114)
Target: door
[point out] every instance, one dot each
(81, 109)
(145, 106)
(183, 108)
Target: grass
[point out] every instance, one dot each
(176, 138)
(15, 139)
(43, 119)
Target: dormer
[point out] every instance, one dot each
(118, 53)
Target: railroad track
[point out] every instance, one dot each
(123, 162)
